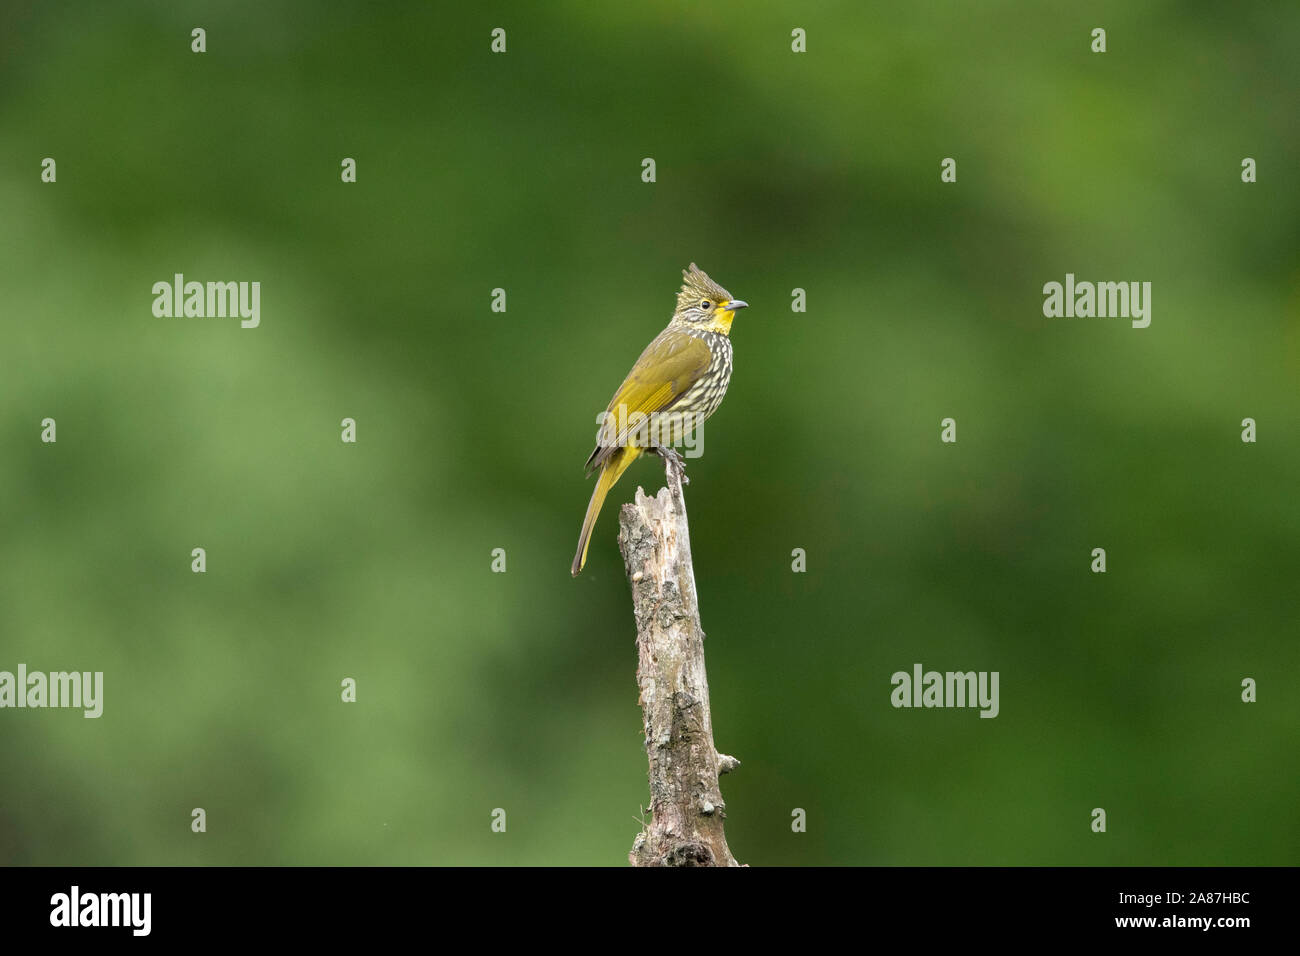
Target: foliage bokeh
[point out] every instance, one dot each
(775, 170)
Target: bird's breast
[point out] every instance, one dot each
(704, 397)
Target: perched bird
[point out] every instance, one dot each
(678, 381)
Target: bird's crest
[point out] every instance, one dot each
(696, 285)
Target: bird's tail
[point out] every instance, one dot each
(609, 473)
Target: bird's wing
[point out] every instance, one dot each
(670, 365)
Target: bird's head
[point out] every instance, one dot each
(704, 304)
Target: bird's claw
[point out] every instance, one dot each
(673, 461)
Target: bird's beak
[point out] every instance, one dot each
(735, 304)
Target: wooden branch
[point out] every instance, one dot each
(685, 800)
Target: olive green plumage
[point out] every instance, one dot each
(679, 380)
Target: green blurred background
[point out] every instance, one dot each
(776, 170)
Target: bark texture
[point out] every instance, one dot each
(686, 827)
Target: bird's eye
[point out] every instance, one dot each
(704, 304)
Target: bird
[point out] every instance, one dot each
(679, 381)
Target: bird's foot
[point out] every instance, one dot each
(673, 462)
